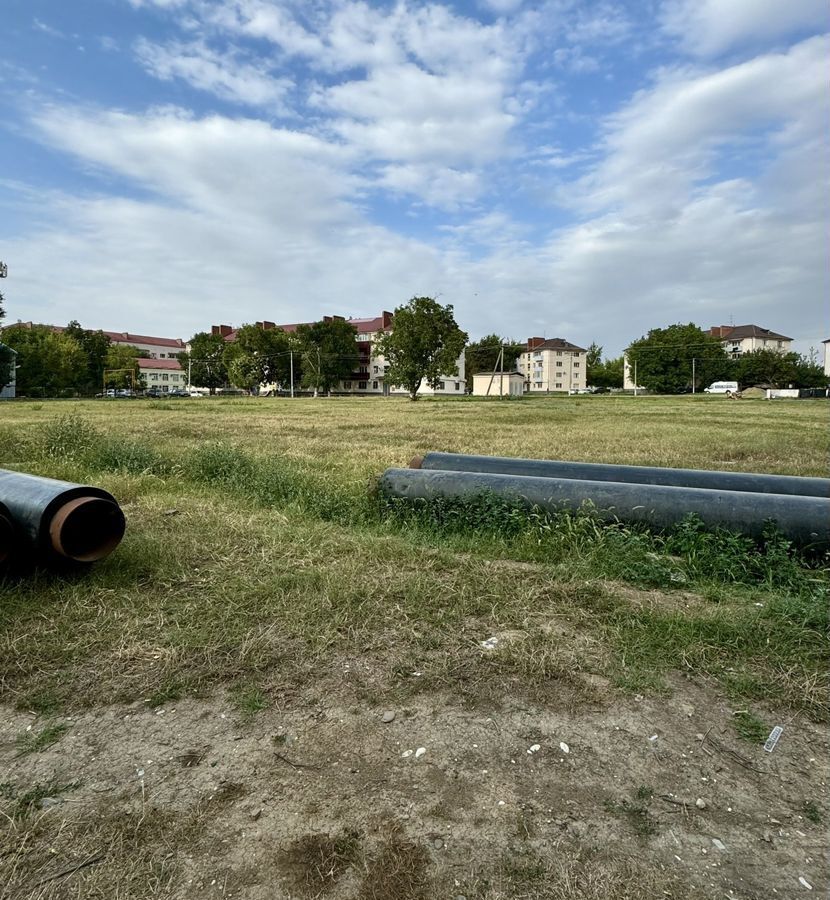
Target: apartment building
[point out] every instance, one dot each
(368, 376)
(553, 365)
(162, 374)
(157, 347)
(740, 339)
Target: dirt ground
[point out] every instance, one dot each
(318, 796)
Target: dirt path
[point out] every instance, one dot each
(325, 798)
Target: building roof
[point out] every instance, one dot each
(126, 337)
(556, 344)
(378, 323)
(383, 322)
(159, 364)
(117, 337)
(739, 332)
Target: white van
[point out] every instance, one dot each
(722, 387)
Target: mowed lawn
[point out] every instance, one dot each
(202, 713)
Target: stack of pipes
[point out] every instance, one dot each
(658, 497)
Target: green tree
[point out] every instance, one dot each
(483, 355)
(258, 356)
(120, 359)
(208, 368)
(95, 345)
(664, 358)
(329, 353)
(765, 366)
(608, 373)
(425, 344)
(48, 361)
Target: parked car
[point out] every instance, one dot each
(178, 392)
(722, 387)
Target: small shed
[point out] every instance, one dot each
(498, 384)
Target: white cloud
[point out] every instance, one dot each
(670, 136)
(709, 27)
(224, 75)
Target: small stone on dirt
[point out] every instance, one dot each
(564, 747)
(438, 844)
(719, 844)
(700, 803)
(256, 814)
(700, 736)
(534, 748)
(420, 752)
(388, 716)
(804, 883)
(48, 802)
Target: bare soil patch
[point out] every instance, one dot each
(322, 798)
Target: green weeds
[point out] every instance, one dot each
(35, 742)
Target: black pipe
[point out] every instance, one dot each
(8, 534)
(58, 520)
(699, 478)
(803, 520)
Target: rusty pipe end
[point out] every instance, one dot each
(416, 462)
(7, 537)
(87, 529)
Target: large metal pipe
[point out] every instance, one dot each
(7, 534)
(60, 520)
(803, 520)
(699, 478)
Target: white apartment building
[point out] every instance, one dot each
(826, 356)
(162, 374)
(553, 365)
(740, 339)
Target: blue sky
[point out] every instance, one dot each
(566, 168)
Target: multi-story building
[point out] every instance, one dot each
(163, 375)
(553, 365)
(156, 347)
(740, 339)
(369, 373)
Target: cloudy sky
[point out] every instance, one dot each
(585, 169)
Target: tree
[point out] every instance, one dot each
(206, 361)
(121, 358)
(49, 361)
(329, 353)
(483, 355)
(765, 366)
(95, 345)
(425, 344)
(664, 358)
(607, 374)
(258, 356)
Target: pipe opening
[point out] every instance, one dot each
(417, 462)
(6, 538)
(87, 529)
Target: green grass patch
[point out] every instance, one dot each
(36, 741)
(750, 727)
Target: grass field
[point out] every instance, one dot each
(261, 575)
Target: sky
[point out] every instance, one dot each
(584, 169)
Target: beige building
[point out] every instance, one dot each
(498, 384)
(553, 365)
(826, 356)
(164, 375)
(740, 339)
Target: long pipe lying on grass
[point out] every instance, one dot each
(57, 520)
(803, 520)
(699, 478)
(7, 534)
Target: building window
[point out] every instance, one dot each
(361, 385)
(558, 352)
(576, 365)
(375, 370)
(347, 385)
(458, 385)
(537, 384)
(558, 384)
(374, 383)
(441, 386)
(559, 365)
(164, 376)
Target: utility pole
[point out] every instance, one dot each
(693, 374)
(189, 364)
(500, 363)
(635, 377)
(292, 373)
